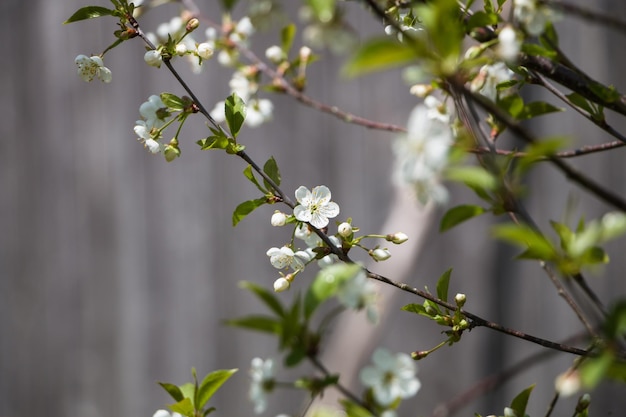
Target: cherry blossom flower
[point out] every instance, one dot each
(315, 206)
(509, 44)
(392, 377)
(284, 257)
(262, 375)
(153, 58)
(153, 114)
(532, 16)
(358, 293)
(489, 77)
(92, 67)
(422, 154)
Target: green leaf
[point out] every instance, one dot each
(379, 54)
(172, 101)
(417, 309)
(249, 174)
(488, 6)
(264, 295)
(536, 245)
(473, 176)
(90, 12)
(214, 142)
(272, 171)
(537, 50)
(246, 208)
(326, 284)
(581, 102)
(235, 110)
(294, 357)
(513, 104)
(520, 402)
(184, 407)
(442, 285)
(459, 214)
(537, 108)
(286, 37)
(210, 384)
(593, 370)
(354, 410)
(173, 391)
(324, 10)
(263, 324)
(481, 19)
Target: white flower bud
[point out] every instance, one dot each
(344, 229)
(274, 54)
(153, 58)
(305, 54)
(568, 383)
(204, 50)
(380, 254)
(278, 218)
(281, 284)
(459, 299)
(181, 49)
(421, 90)
(398, 238)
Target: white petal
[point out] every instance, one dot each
(302, 214)
(303, 194)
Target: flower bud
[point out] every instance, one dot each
(204, 50)
(568, 383)
(181, 49)
(278, 218)
(397, 238)
(153, 58)
(583, 403)
(380, 254)
(420, 354)
(344, 229)
(192, 24)
(305, 54)
(459, 299)
(274, 54)
(474, 52)
(281, 284)
(421, 90)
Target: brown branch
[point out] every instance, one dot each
(478, 321)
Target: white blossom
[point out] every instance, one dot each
(310, 238)
(489, 77)
(568, 383)
(422, 154)
(219, 112)
(532, 16)
(153, 111)
(204, 50)
(392, 377)
(284, 257)
(281, 284)
(509, 44)
(262, 376)
(258, 111)
(314, 206)
(359, 292)
(92, 67)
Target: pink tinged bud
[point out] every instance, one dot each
(192, 25)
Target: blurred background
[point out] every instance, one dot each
(117, 269)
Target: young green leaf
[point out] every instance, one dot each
(286, 37)
(379, 54)
(235, 110)
(442, 285)
(214, 142)
(184, 407)
(210, 384)
(89, 12)
(459, 214)
(268, 298)
(249, 174)
(246, 208)
(537, 108)
(172, 101)
(535, 243)
(472, 176)
(326, 284)
(324, 10)
(173, 390)
(264, 324)
(272, 171)
(520, 402)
